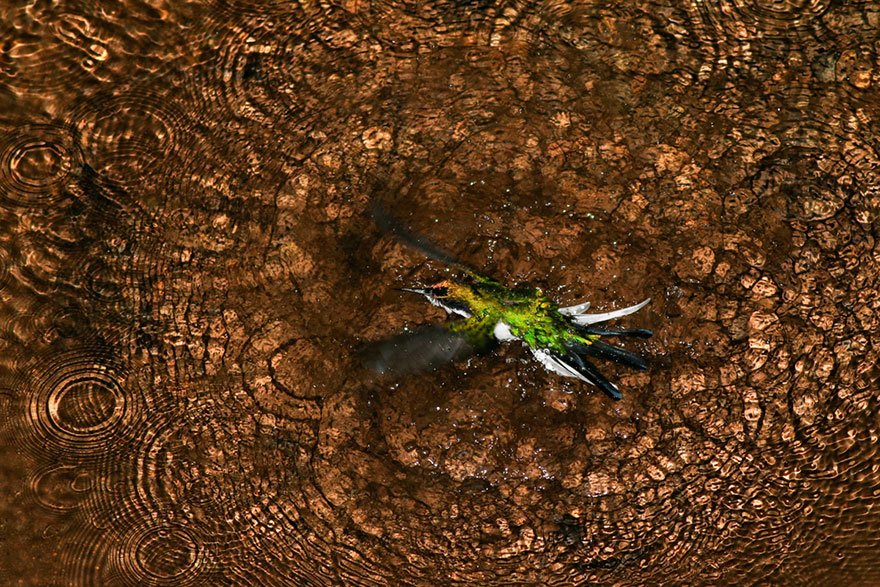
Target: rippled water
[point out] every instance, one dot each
(188, 266)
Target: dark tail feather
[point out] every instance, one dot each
(635, 332)
(602, 350)
(573, 360)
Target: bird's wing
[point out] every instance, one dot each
(587, 319)
(388, 223)
(570, 364)
(425, 348)
(479, 330)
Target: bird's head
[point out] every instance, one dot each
(449, 295)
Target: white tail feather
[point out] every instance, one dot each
(554, 365)
(587, 319)
(576, 309)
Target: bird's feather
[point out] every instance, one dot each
(423, 349)
(603, 350)
(388, 223)
(634, 332)
(553, 363)
(587, 319)
(582, 369)
(575, 310)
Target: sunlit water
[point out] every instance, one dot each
(188, 268)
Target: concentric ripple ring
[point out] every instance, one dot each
(35, 160)
(78, 407)
(163, 554)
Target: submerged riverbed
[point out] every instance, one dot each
(188, 268)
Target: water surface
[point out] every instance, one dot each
(188, 267)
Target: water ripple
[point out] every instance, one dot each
(78, 407)
(302, 11)
(60, 487)
(100, 280)
(52, 51)
(126, 134)
(757, 19)
(216, 240)
(35, 162)
(162, 554)
(295, 80)
(48, 50)
(84, 557)
(4, 268)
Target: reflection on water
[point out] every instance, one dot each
(188, 266)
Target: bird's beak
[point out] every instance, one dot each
(417, 290)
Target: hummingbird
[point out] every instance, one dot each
(562, 339)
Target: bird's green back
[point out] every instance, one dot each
(530, 315)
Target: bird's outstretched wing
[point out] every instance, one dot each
(422, 349)
(388, 223)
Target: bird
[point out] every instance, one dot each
(488, 313)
